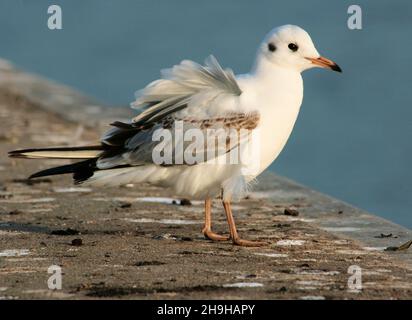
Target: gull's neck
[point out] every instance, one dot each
(274, 86)
(265, 70)
(268, 74)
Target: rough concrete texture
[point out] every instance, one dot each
(135, 247)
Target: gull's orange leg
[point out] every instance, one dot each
(207, 229)
(233, 232)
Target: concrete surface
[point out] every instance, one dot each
(136, 244)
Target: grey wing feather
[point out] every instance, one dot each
(178, 84)
(137, 147)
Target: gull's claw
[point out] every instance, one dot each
(209, 234)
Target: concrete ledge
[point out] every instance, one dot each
(135, 247)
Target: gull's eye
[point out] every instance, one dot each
(271, 47)
(293, 46)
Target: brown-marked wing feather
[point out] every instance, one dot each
(137, 146)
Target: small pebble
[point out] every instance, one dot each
(125, 205)
(77, 242)
(185, 202)
(186, 239)
(15, 212)
(291, 212)
(385, 235)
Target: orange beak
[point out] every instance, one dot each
(325, 63)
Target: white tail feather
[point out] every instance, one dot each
(59, 154)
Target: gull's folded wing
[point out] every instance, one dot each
(182, 85)
(201, 97)
(209, 138)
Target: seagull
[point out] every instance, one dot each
(191, 96)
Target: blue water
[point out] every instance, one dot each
(352, 138)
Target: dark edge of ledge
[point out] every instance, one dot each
(325, 212)
(57, 98)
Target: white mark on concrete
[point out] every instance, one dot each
(9, 297)
(291, 219)
(166, 200)
(166, 236)
(3, 289)
(312, 298)
(309, 283)
(159, 200)
(163, 221)
(49, 293)
(17, 270)
(272, 255)
(384, 270)
(374, 248)
(290, 242)
(112, 265)
(14, 252)
(162, 200)
(340, 241)
(32, 200)
(310, 235)
(26, 259)
(39, 210)
(307, 288)
(72, 189)
(278, 194)
(320, 272)
(9, 233)
(341, 229)
(243, 285)
(357, 252)
(308, 259)
(369, 273)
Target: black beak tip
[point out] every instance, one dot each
(336, 68)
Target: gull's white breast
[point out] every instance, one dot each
(278, 97)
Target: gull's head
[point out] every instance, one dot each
(291, 47)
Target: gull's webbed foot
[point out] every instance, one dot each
(209, 234)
